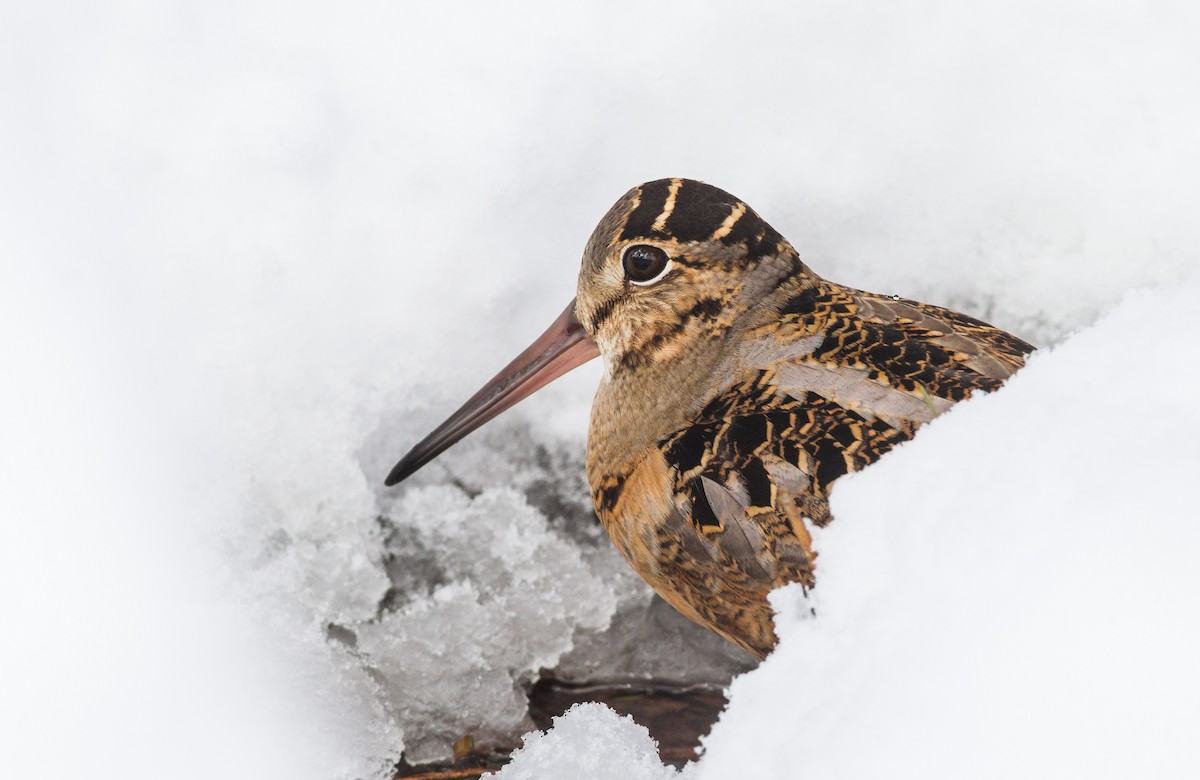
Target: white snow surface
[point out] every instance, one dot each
(250, 252)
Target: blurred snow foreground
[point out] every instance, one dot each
(1009, 595)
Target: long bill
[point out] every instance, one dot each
(564, 346)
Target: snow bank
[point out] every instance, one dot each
(1009, 594)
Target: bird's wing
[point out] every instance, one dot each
(772, 450)
(743, 485)
(836, 380)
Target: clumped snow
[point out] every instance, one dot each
(252, 251)
(503, 571)
(592, 741)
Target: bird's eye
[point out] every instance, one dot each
(644, 263)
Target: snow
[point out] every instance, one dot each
(472, 631)
(127, 653)
(252, 251)
(592, 741)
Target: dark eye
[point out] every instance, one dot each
(644, 263)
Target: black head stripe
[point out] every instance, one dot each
(759, 237)
(700, 209)
(652, 202)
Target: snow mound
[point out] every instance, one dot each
(1008, 595)
(588, 741)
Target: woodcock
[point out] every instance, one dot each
(738, 386)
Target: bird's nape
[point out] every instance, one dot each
(565, 345)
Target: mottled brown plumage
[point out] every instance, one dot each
(739, 386)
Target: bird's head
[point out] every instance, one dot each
(671, 267)
(669, 270)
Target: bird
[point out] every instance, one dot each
(738, 387)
